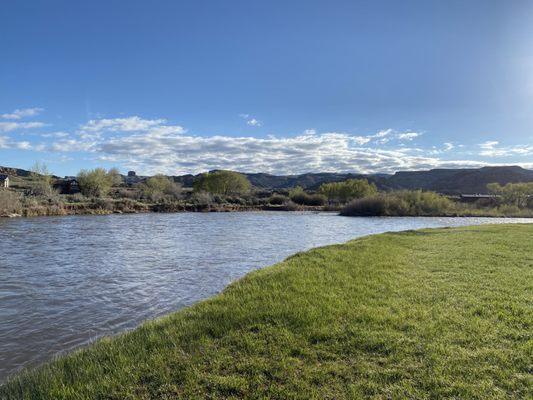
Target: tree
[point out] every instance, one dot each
(299, 196)
(158, 186)
(42, 179)
(513, 194)
(350, 189)
(222, 182)
(95, 183)
(116, 178)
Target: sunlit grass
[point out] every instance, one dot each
(443, 313)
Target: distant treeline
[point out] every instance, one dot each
(106, 191)
(513, 199)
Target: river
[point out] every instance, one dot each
(65, 281)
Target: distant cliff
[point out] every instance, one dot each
(450, 181)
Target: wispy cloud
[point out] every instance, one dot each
(489, 144)
(408, 135)
(7, 142)
(448, 146)
(493, 149)
(152, 146)
(12, 126)
(54, 135)
(155, 146)
(22, 113)
(251, 121)
(129, 124)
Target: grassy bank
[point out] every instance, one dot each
(440, 313)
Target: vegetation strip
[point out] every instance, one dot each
(443, 313)
(100, 191)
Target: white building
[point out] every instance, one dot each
(4, 181)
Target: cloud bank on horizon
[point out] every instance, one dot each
(152, 146)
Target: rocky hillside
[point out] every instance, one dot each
(449, 181)
(14, 171)
(454, 181)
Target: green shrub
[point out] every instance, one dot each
(160, 187)
(103, 204)
(202, 198)
(519, 195)
(96, 182)
(277, 199)
(41, 184)
(299, 196)
(367, 206)
(222, 182)
(342, 192)
(400, 203)
(9, 202)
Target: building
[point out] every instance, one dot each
(4, 181)
(132, 178)
(68, 185)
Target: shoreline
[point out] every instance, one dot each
(161, 209)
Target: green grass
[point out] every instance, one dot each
(428, 314)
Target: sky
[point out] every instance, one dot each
(282, 87)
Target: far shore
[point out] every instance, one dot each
(99, 192)
(161, 209)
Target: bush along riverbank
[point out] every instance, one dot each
(429, 204)
(436, 313)
(104, 192)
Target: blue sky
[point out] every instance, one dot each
(272, 86)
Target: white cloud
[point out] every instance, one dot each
(72, 145)
(383, 133)
(24, 145)
(153, 147)
(408, 135)
(12, 126)
(22, 113)
(54, 135)
(131, 124)
(360, 140)
(8, 143)
(492, 149)
(448, 146)
(253, 122)
(489, 144)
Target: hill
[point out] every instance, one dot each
(448, 181)
(454, 181)
(14, 171)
